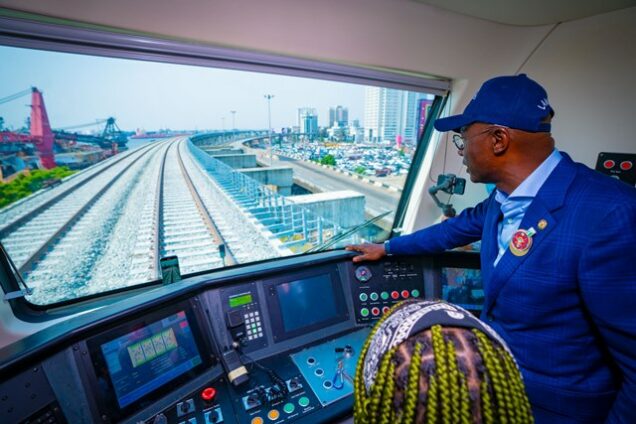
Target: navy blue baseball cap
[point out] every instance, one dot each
(512, 101)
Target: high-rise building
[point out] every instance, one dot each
(382, 113)
(411, 118)
(308, 121)
(338, 115)
(389, 113)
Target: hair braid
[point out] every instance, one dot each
(521, 400)
(431, 402)
(493, 368)
(439, 350)
(455, 382)
(465, 401)
(412, 386)
(486, 403)
(387, 412)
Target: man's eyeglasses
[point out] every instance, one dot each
(460, 141)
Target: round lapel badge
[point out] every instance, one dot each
(520, 243)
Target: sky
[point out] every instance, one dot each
(81, 89)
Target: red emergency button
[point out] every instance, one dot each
(385, 309)
(375, 311)
(626, 165)
(405, 294)
(395, 295)
(609, 164)
(208, 394)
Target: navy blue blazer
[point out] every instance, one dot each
(567, 308)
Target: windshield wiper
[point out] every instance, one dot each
(346, 234)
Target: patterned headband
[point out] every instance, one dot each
(411, 318)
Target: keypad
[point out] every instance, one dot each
(253, 325)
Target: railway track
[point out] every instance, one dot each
(110, 229)
(187, 229)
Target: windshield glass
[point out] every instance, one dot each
(112, 167)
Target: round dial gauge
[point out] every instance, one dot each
(363, 273)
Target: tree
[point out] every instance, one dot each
(360, 170)
(1, 123)
(328, 160)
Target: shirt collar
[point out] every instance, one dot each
(533, 182)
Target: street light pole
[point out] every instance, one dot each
(233, 112)
(269, 98)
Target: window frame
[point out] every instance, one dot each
(23, 30)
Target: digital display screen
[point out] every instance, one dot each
(148, 357)
(306, 302)
(463, 287)
(240, 300)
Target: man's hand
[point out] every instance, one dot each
(370, 251)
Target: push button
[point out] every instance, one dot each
(289, 408)
(363, 297)
(626, 165)
(609, 164)
(364, 312)
(208, 394)
(303, 401)
(256, 420)
(415, 293)
(384, 295)
(395, 295)
(273, 415)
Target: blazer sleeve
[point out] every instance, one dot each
(607, 279)
(461, 230)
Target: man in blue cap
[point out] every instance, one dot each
(558, 255)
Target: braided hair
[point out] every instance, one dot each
(437, 373)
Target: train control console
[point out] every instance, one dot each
(261, 345)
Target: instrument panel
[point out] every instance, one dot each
(262, 346)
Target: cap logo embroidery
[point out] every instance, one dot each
(543, 104)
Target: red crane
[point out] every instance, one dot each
(41, 133)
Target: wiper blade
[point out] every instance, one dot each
(346, 234)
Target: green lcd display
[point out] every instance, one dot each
(241, 299)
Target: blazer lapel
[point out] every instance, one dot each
(550, 197)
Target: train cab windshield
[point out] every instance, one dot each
(122, 172)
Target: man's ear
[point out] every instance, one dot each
(500, 140)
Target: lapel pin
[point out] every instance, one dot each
(522, 241)
(542, 224)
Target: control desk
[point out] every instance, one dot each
(276, 342)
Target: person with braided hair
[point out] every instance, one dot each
(433, 362)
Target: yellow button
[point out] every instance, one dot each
(273, 414)
(257, 420)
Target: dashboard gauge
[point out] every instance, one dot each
(363, 274)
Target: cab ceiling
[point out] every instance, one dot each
(525, 13)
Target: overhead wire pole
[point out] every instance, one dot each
(233, 112)
(269, 98)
